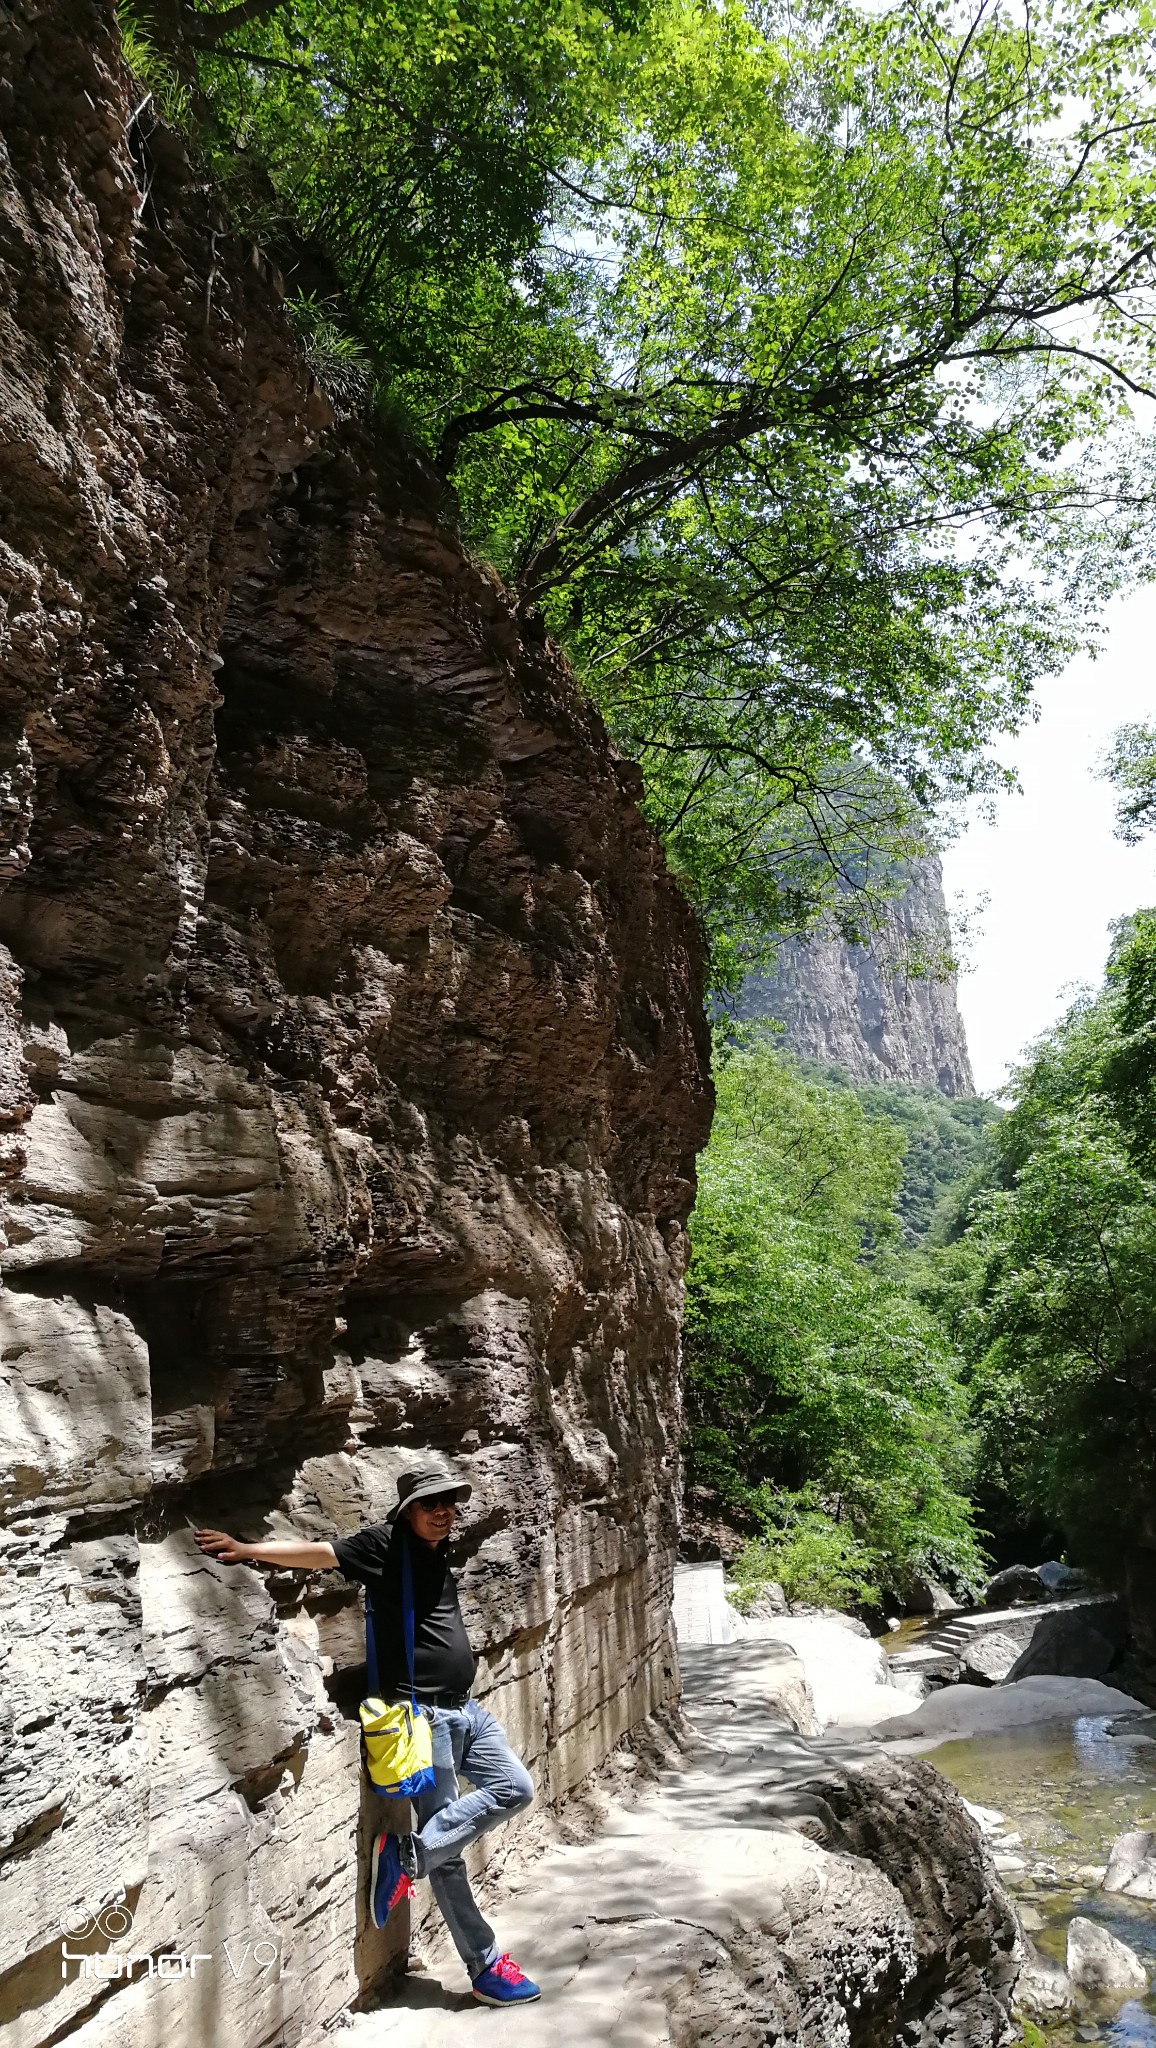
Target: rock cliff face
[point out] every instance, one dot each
(849, 1007)
(354, 1067)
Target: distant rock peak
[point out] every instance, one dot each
(862, 1008)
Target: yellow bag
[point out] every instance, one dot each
(398, 1748)
(398, 1740)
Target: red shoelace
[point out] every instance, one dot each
(403, 1889)
(507, 1969)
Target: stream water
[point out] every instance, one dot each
(1066, 1790)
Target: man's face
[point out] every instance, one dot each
(432, 1519)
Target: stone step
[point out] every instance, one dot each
(940, 1655)
(927, 1663)
(1017, 1622)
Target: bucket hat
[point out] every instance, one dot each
(427, 1479)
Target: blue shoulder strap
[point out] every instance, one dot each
(372, 1680)
(371, 1671)
(407, 1610)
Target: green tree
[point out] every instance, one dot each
(945, 1147)
(779, 357)
(816, 299)
(1130, 763)
(1061, 1263)
(817, 1390)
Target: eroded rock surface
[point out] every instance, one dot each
(988, 1660)
(354, 1070)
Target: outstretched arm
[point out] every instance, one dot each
(289, 1555)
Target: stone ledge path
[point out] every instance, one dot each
(704, 1911)
(702, 1613)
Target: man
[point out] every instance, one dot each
(466, 1739)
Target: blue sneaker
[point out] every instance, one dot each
(504, 1984)
(388, 1882)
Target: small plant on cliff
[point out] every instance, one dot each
(149, 64)
(338, 361)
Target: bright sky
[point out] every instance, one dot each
(1053, 873)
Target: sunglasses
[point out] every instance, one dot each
(438, 1500)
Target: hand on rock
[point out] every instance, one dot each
(215, 1543)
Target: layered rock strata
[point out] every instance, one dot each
(873, 1010)
(354, 1067)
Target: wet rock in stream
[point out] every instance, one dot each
(1044, 1986)
(1068, 1789)
(1132, 1865)
(1097, 1961)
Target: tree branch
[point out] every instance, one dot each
(206, 30)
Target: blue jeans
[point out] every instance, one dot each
(467, 1742)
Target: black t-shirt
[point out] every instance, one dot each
(442, 1658)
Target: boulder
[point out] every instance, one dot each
(847, 1672)
(1043, 1986)
(838, 1615)
(1061, 1580)
(927, 1596)
(1019, 1586)
(755, 1680)
(1077, 1642)
(1098, 1962)
(1132, 1865)
(988, 1661)
(770, 1599)
(963, 1710)
(853, 1622)
(988, 1819)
